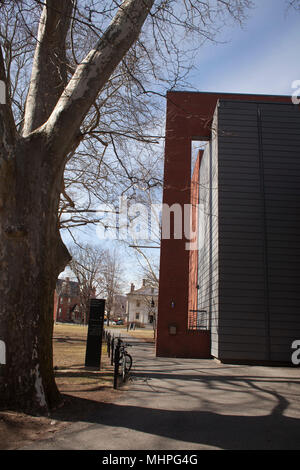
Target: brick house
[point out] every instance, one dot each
(67, 301)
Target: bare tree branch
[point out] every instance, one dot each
(49, 70)
(92, 74)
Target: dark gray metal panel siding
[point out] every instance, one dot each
(259, 233)
(280, 132)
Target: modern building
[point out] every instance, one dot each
(142, 305)
(235, 297)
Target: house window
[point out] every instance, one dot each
(137, 316)
(138, 303)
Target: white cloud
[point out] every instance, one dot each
(269, 69)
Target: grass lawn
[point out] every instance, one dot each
(143, 334)
(69, 346)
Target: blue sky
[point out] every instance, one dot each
(261, 57)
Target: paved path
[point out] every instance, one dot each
(191, 404)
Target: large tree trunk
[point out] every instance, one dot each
(31, 251)
(31, 255)
(31, 172)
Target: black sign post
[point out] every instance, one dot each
(95, 330)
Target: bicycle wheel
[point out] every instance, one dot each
(128, 361)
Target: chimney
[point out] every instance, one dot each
(68, 287)
(144, 282)
(132, 288)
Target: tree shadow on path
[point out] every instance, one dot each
(271, 431)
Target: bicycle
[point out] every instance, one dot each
(125, 360)
(121, 359)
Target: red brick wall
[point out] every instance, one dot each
(64, 302)
(61, 302)
(193, 254)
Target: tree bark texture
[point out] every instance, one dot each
(31, 172)
(49, 69)
(31, 255)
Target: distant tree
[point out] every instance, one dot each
(86, 264)
(294, 3)
(110, 280)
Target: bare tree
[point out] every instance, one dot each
(110, 280)
(119, 307)
(150, 300)
(294, 4)
(86, 264)
(72, 82)
(32, 167)
(147, 250)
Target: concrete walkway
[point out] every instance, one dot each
(191, 404)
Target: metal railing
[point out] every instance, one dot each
(198, 320)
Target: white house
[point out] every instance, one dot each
(142, 304)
